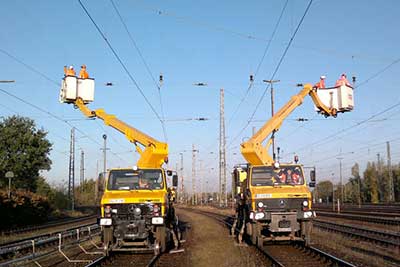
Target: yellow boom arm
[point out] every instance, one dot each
(253, 150)
(153, 155)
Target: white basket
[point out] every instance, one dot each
(73, 87)
(339, 98)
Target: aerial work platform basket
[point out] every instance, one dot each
(73, 88)
(339, 98)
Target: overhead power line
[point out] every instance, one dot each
(259, 63)
(327, 138)
(38, 72)
(146, 66)
(29, 67)
(121, 62)
(378, 73)
(205, 24)
(55, 117)
(274, 73)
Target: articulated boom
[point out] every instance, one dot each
(155, 153)
(253, 150)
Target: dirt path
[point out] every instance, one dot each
(208, 244)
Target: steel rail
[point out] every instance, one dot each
(45, 239)
(358, 217)
(275, 262)
(36, 255)
(41, 236)
(368, 234)
(100, 261)
(46, 225)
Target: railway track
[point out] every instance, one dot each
(43, 245)
(288, 254)
(382, 237)
(134, 260)
(392, 210)
(42, 237)
(46, 225)
(359, 217)
(299, 256)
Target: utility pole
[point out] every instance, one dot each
(379, 180)
(341, 179)
(82, 170)
(222, 160)
(96, 184)
(272, 113)
(201, 176)
(194, 202)
(71, 170)
(181, 171)
(391, 185)
(104, 154)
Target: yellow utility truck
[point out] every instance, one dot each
(273, 201)
(137, 212)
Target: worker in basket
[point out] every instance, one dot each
(69, 71)
(83, 74)
(321, 83)
(342, 81)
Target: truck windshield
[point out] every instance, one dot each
(269, 176)
(135, 180)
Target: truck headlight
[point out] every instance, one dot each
(252, 215)
(260, 204)
(305, 203)
(137, 211)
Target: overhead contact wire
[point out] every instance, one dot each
(260, 63)
(29, 67)
(275, 71)
(146, 66)
(120, 61)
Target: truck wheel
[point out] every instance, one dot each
(161, 238)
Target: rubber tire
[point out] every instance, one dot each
(161, 238)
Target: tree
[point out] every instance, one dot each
(23, 150)
(324, 190)
(84, 193)
(371, 192)
(354, 186)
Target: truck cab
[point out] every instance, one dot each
(136, 209)
(279, 201)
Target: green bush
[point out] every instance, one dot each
(23, 208)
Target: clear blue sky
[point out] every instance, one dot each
(216, 42)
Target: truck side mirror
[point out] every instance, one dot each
(312, 179)
(175, 180)
(312, 175)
